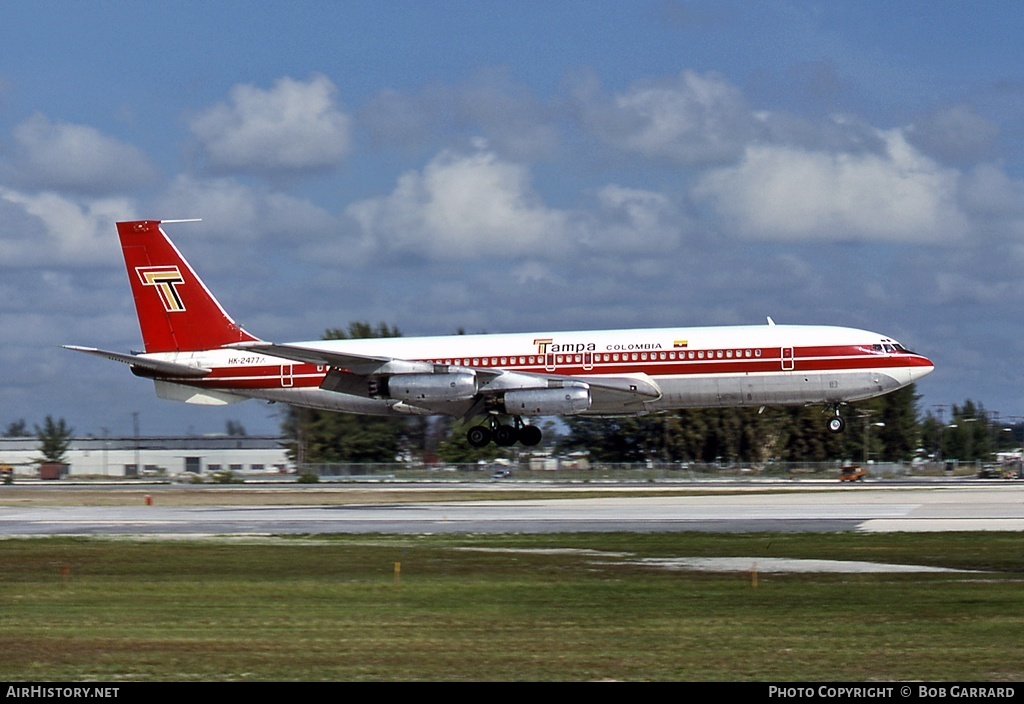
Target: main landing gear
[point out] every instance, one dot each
(836, 423)
(504, 435)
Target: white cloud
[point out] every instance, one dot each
(632, 221)
(295, 126)
(48, 229)
(784, 193)
(76, 158)
(955, 135)
(530, 272)
(989, 192)
(234, 210)
(462, 206)
(514, 121)
(693, 119)
(839, 133)
(509, 114)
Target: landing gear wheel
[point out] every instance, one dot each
(530, 435)
(836, 424)
(505, 436)
(478, 436)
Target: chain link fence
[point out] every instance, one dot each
(569, 469)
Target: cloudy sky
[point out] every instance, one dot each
(511, 167)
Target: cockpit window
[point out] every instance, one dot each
(889, 347)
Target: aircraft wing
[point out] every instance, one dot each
(145, 364)
(625, 394)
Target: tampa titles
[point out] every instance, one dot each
(548, 345)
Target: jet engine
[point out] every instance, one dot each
(567, 400)
(453, 386)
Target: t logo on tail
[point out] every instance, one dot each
(165, 279)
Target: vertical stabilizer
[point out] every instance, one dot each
(177, 313)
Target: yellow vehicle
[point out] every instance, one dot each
(853, 473)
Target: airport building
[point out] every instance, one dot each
(152, 456)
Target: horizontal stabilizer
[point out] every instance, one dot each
(157, 366)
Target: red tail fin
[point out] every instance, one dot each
(176, 311)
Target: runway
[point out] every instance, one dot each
(966, 507)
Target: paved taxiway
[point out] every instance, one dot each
(967, 507)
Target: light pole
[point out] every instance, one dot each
(135, 430)
(866, 414)
(947, 465)
(867, 426)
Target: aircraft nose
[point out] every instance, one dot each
(920, 366)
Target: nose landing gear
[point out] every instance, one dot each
(836, 424)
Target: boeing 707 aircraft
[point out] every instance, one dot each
(195, 352)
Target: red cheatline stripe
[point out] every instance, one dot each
(811, 359)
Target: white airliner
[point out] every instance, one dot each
(196, 353)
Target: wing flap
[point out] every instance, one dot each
(638, 386)
(622, 395)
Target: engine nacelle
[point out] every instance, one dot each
(455, 386)
(548, 402)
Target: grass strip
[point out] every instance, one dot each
(513, 608)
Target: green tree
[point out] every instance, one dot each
(968, 435)
(808, 438)
(900, 437)
(749, 435)
(54, 440)
(325, 436)
(17, 429)
(615, 439)
(789, 434)
(931, 436)
(362, 330)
